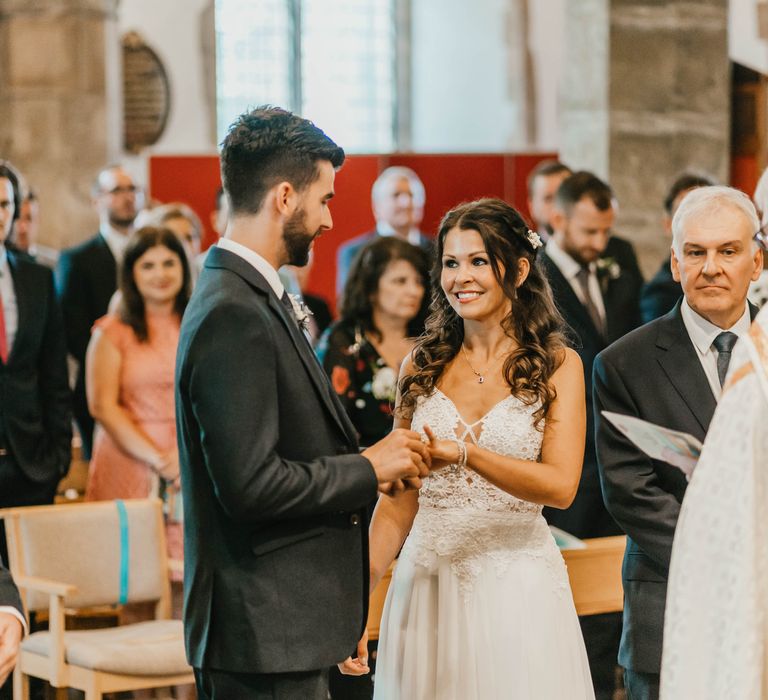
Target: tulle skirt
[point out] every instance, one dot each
(499, 625)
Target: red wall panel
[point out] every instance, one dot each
(448, 178)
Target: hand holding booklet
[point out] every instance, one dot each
(672, 446)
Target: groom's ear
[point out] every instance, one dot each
(285, 198)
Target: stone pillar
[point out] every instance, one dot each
(60, 111)
(645, 95)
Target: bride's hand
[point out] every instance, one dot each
(358, 666)
(443, 452)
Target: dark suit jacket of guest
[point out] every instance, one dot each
(9, 594)
(660, 294)
(348, 251)
(587, 516)
(35, 402)
(275, 491)
(653, 373)
(86, 279)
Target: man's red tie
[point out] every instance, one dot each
(3, 336)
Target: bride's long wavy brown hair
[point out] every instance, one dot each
(533, 322)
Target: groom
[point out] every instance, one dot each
(275, 491)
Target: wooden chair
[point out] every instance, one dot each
(86, 555)
(595, 575)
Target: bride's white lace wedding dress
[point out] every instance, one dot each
(479, 607)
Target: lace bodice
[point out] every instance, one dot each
(506, 429)
(466, 518)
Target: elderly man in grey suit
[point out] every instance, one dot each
(276, 493)
(398, 197)
(670, 372)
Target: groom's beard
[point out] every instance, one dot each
(297, 240)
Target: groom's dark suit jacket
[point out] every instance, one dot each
(653, 373)
(275, 492)
(587, 516)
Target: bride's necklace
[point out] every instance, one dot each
(481, 374)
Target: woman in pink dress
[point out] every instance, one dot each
(129, 378)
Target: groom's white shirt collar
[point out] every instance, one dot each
(262, 266)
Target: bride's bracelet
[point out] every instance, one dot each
(461, 462)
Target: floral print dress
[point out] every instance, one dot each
(361, 378)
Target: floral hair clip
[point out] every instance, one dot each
(534, 239)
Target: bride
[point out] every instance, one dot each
(479, 606)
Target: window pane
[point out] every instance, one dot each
(348, 71)
(253, 57)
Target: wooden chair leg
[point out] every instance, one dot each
(20, 684)
(93, 690)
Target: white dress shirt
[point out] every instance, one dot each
(254, 259)
(570, 268)
(116, 241)
(384, 229)
(10, 307)
(702, 334)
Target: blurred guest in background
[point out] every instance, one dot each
(661, 293)
(35, 401)
(758, 290)
(182, 220)
(397, 197)
(130, 367)
(543, 182)
(382, 311)
(86, 277)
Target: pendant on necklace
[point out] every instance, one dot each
(481, 379)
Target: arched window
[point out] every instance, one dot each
(332, 61)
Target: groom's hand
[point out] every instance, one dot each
(400, 456)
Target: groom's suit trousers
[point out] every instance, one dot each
(220, 685)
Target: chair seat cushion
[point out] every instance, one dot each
(154, 648)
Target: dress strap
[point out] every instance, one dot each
(468, 430)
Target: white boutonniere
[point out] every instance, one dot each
(609, 267)
(301, 312)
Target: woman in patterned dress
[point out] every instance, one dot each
(382, 311)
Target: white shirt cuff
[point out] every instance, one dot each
(13, 611)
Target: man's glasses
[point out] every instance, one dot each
(761, 237)
(130, 189)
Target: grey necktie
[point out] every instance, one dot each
(724, 343)
(582, 276)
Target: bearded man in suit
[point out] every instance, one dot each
(276, 493)
(670, 372)
(86, 277)
(35, 410)
(596, 286)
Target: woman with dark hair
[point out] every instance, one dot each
(382, 311)
(479, 607)
(130, 373)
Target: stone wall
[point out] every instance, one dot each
(60, 110)
(646, 94)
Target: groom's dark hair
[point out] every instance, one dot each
(269, 145)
